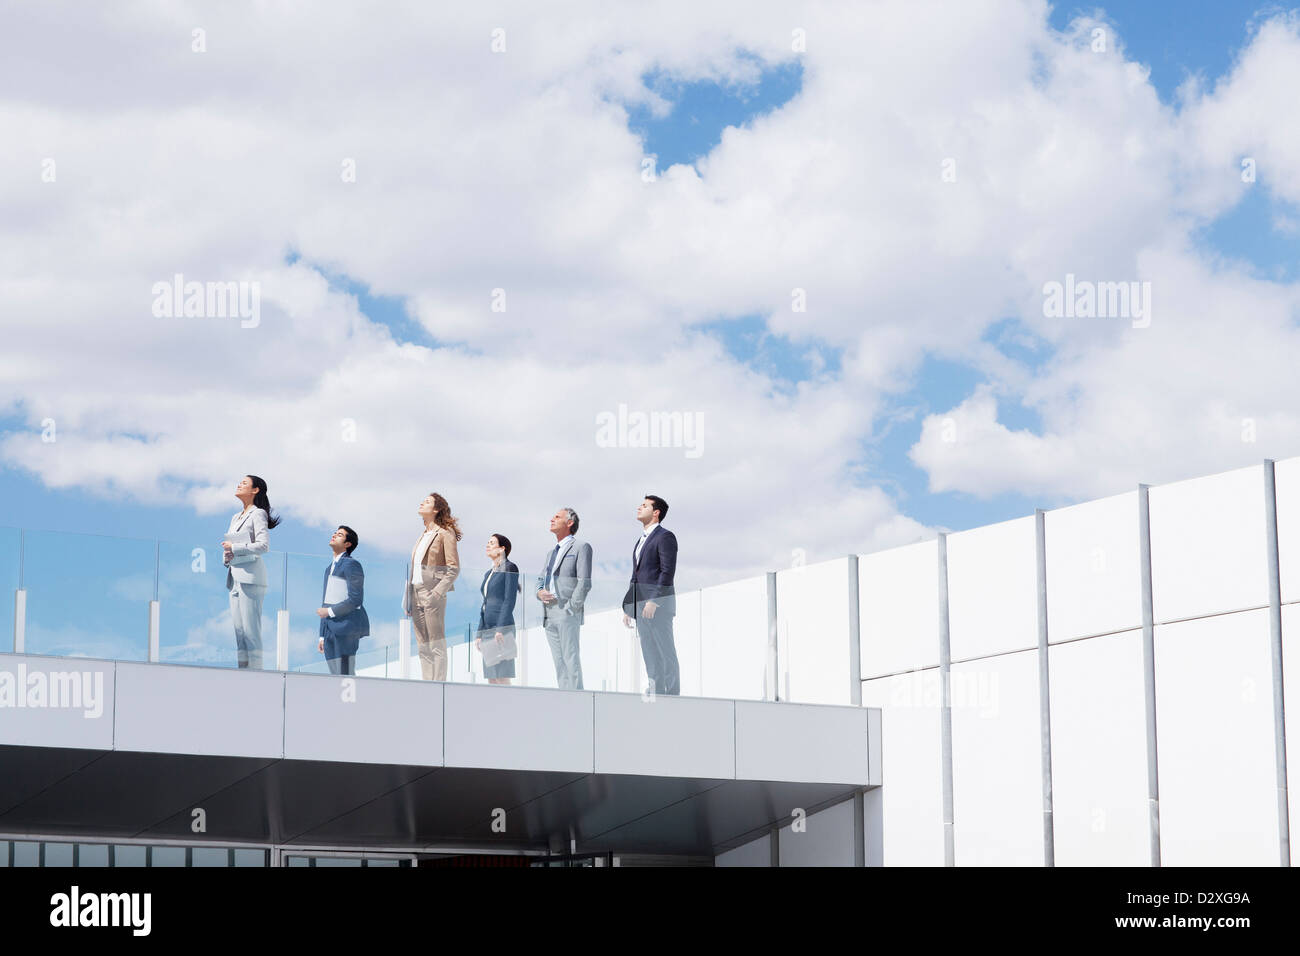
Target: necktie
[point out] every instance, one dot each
(550, 567)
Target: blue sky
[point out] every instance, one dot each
(1193, 37)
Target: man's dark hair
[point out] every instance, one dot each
(351, 537)
(658, 504)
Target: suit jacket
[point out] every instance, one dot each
(350, 622)
(439, 565)
(499, 595)
(652, 574)
(249, 538)
(570, 580)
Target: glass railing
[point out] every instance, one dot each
(77, 595)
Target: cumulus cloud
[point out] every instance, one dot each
(939, 165)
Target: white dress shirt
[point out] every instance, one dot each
(333, 565)
(636, 552)
(417, 570)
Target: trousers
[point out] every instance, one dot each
(562, 634)
(246, 615)
(660, 653)
(428, 617)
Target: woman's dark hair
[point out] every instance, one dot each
(442, 516)
(261, 501)
(350, 537)
(505, 543)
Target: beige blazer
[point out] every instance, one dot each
(439, 565)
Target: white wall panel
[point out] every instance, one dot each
(993, 589)
(996, 762)
(1214, 727)
(1099, 757)
(899, 595)
(1094, 583)
(912, 769)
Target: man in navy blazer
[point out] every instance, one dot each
(343, 621)
(650, 601)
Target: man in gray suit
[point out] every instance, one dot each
(562, 588)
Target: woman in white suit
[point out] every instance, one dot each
(243, 547)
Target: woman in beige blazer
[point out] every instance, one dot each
(430, 575)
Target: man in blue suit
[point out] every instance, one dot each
(650, 601)
(343, 621)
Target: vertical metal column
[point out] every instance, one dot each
(282, 622)
(855, 635)
(20, 598)
(155, 619)
(855, 698)
(1275, 654)
(772, 690)
(1149, 668)
(945, 715)
(1044, 689)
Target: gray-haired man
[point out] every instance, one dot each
(562, 588)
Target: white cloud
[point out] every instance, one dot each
(478, 171)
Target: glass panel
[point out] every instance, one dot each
(1207, 545)
(993, 589)
(733, 630)
(373, 862)
(9, 551)
(167, 856)
(26, 854)
(1214, 718)
(209, 856)
(61, 569)
(911, 710)
(1099, 754)
(690, 650)
(92, 854)
(1287, 476)
(812, 615)
(194, 608)
(58, 854)
(1094, 584)
(250, 858)
(996, 762)
(297, 861)
(899, 599)
(337, 861)
(129, 855)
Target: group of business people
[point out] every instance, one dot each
(562, 588)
